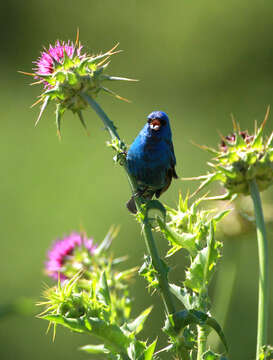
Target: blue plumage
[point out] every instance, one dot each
(151, 160)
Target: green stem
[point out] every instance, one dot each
(201, 341)
(184, 354)
(110, 127)
(263, 269)
(148, 236)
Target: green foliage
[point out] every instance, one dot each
(193, 230)
(148, 271)
(266, 353)
(176, 324)
(209, 355)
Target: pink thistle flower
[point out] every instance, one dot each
(63, 255)
(55, 56)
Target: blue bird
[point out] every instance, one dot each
(151, 160)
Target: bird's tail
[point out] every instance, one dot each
(144, 195)
(131, 205)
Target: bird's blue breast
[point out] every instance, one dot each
(149, 158)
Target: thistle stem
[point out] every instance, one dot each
(110, 127)
(201, 341)
(263, 269)
(147, 232)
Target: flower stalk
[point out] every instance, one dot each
(201, 341)
(263, 269)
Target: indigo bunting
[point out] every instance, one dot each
(151, 160)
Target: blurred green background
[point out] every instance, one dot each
(197, 60)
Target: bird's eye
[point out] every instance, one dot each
(163, 122)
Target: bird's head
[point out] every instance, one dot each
(158, 122)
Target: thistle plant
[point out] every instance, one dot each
(91, 295)
(244, 165)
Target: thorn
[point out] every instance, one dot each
(114, 48)
(221, 135)
(266, 117)
(36, 102)
(223, 197)
(59, 135)
(115, 95)
(105, 65)
(77, 37)
(233, 122)
(195, 178)
(103, 61)
(83, 122)
(204, 147)
(54, 333)
(26, 73)
(115, 52)
(255, 126)
(42, 110)
(36, 82)
(58, 121)
(121, 78)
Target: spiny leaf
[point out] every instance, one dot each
(179, 320)
(137, 325)
(77, 325)
(103, 293)
(195, 274)
(183, 240)
(188, 300)
(148, 353)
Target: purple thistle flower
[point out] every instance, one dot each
(63, 251)
(55, 55)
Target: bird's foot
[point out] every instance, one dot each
(140, 193)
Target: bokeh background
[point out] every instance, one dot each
(197, 60)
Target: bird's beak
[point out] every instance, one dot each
(155, 124)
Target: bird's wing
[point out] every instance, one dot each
(173, 159)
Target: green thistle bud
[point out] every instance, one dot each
(240, 159)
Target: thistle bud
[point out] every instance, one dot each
(241, 158)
